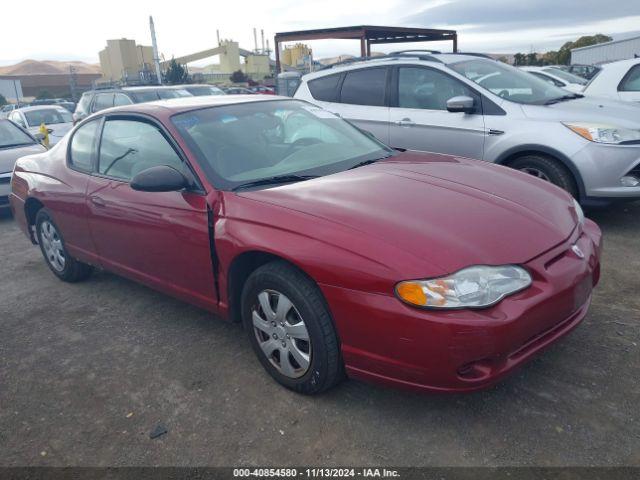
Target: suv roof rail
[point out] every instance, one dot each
(414, 50)
(390, 56)
(472, 54)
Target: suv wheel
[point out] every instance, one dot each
(548, 169)
(290, 328)
(63, 265)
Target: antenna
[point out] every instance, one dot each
(156, 60)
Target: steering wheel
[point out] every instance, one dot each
(274, 134)
(504, 94)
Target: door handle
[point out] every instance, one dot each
(406, 122)
(97, 201)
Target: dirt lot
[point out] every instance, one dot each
(88, 370)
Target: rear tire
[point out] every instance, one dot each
(290, 328)
(55, 254)
(549, 169)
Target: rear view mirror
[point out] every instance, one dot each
(159, 179)
(462, 104)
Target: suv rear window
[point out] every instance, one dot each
(364, 87)
(325, 89)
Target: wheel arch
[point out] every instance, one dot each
(31, 208)
(509, 156)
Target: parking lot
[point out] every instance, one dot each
(88, 370)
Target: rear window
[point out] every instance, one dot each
(325, 89)
(631, 81)
(364, 87)
(48, 116)
(145, 96)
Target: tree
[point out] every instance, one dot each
(3, 101)
(238, 77)
(519, 59)
(564, 54)
(44, 94)
(176, 73)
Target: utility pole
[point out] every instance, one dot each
(73, 83)
(156, 59)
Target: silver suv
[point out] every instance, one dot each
(477, 107)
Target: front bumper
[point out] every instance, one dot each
(602, 166)
(5, 190)
(387, 342)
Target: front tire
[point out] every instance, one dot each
(549, 169)
(63, 265)
(290, 328)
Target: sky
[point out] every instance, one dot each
(77, 30)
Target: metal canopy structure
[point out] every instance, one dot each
(368, 35)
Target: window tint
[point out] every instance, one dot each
(428, 89)
(325, 88)
(130, 146)
(364, 87)
(82, 146)
(121, 99)
(631, 82)
(102, 101)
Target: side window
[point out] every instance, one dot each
(364, 87)
(325, 89)
(82, 145)
(428, 89)
(130, 146)
(102, 101)
(121, 99)
(83, 104)
(631, 81)
(550, 80)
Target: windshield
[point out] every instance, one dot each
(204, 90)
(11, 136)
(247, 142)
(508, 82)
(48, 116)
(566, 76)
(173, 93)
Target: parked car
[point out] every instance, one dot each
(57, 119)
(558, 77)
(200, 89)
(237, 91)
(262, 90)
(96, 100)
(7, 109)
(585, 71)
(417, 270)
(617, 80)
(15, 142)
(480, 108)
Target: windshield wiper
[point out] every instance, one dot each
(563, 98)
(369, 162)
(274, 181)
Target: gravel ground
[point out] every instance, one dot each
(88, 370)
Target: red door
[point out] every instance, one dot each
(158, 238)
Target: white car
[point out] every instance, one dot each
(558, 77)
(58, 120)
(617, 80)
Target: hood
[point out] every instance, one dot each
(588, 109)
(449, 211)
(8, 156)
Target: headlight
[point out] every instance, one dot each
(473, 287)
(599, 133)
(579, 212)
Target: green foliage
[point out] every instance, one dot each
(176, 73)
(238, 77)
(44, 94)
(562, 56)
(3, 101)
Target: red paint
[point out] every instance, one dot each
(356, 233)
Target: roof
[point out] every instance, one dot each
(598, 45)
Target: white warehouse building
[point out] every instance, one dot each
(606, 52)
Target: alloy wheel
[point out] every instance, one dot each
(281, 333)
(52, 245)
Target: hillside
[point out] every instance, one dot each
(47, 67)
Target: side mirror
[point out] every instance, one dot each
(462, 104)
(159, 179)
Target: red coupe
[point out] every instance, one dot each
(340, 255)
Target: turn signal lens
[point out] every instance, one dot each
(478, 286)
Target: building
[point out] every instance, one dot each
(606, 52)
(296, 55)
(11, 89)
(124, 61)
(54, 84)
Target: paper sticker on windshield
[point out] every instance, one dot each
(186, 121)
(228, 118)
(320, 113)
